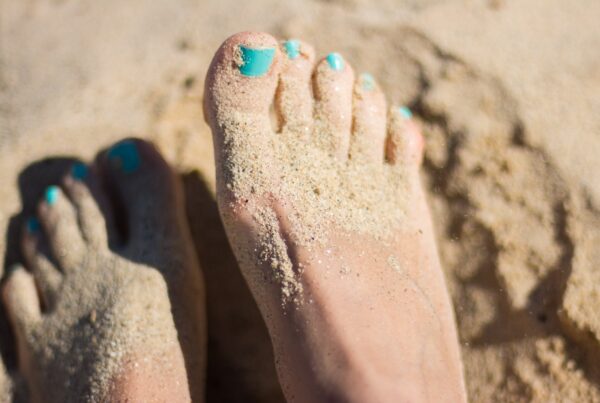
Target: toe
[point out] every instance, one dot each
(333, 82)
(83, 187)
(35, 248)
(239, 91)
(405, 142)
(59, 220)
(145, 189)
(243, 74)
(294, 94)
(21, 301)
(369, 127)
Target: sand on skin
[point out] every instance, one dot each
(508, 162)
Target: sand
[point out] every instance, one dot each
(508, 93)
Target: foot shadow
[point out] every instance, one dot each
(240, 357)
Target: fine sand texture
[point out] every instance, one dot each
(508, 93)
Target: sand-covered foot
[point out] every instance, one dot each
(120, 324)
(329, 222)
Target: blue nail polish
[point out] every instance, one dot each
(51, 195)
(405, 113)
(335, 61)
(125, 156)
(292, 48)
(256, 62)
(79, 171)
(367, 81)
(33, 225)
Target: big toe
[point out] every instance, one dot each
(145, 193)
(239, 92)
(243, 75)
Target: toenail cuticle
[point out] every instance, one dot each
(79, 171)
(404, 112)
(292, 48)
(256, 62)
(367, 81)
(51, 195)
(125, 156)
(33, 225)
(335, 61)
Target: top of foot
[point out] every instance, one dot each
(331, 160)
(328, 220)
(104, 319)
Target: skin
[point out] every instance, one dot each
(359, 340)
(377, 335)
(150, 271)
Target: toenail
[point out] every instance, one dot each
(51, 195)
(33, 225)
(367, 81)
(79, 171)
(335, 61)
(256, 62)
(404, 112)
(292, 48)
(125, 156)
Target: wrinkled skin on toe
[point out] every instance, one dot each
(329, 223)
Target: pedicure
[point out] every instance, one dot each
(367, 81)
(292, 48)
(404, 112)
(125, 156)
(79, 171)
(256, 62)
(51, 195)
(32, 225)
(335, 61)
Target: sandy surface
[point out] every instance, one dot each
(508, 91)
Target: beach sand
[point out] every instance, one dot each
(508, 93)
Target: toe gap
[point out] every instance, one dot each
(275, 119)
(119, 215)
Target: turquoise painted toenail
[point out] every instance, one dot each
(79, 171)
(125, 156)
(33, 225)
(256, 62)
(292, 48)
(335, 61)
(51, 195)
(405, 113)
(367, 81)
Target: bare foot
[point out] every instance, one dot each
(329, 223)
(96, 325)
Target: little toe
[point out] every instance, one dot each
(21, 301)
(36, 252)
(294, 94)
(333, 82)
(146, 191)
(59, 220)
(405, 142)
(83, 187)
(369, 127)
